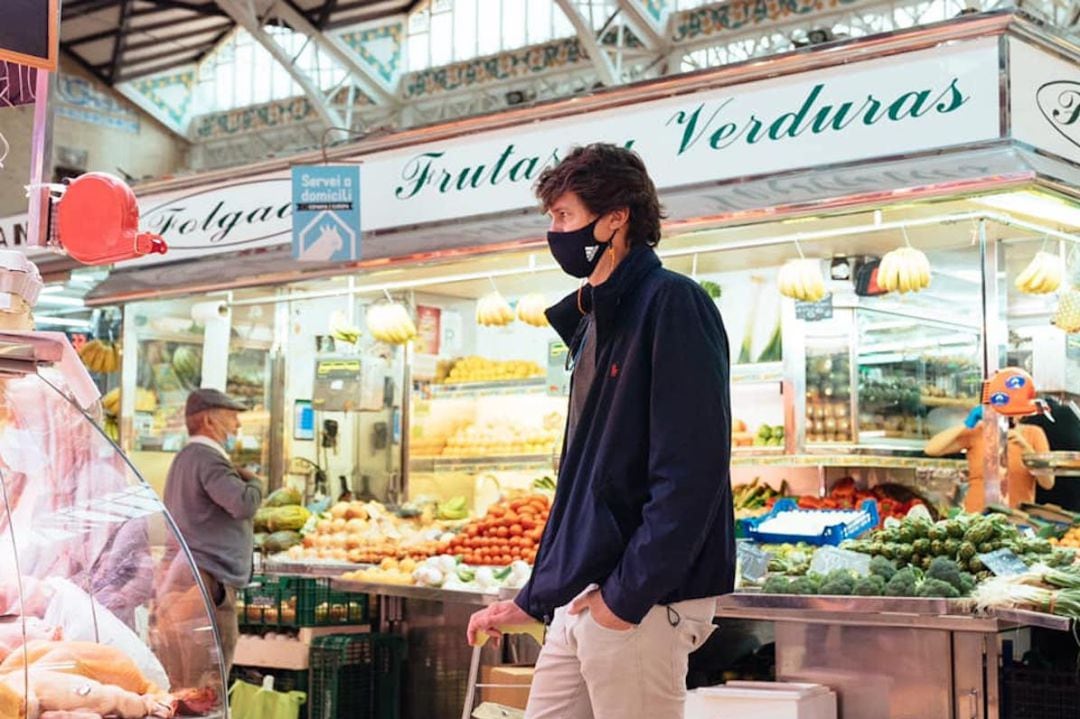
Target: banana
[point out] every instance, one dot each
(492, 310)
(1042, 275)
(904, 270)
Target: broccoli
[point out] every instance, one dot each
(902, 583)
(937, 588)
(803, 585)
(839, 582)
(776, 584)
(882, 567)
(949, 572)
(870, 586)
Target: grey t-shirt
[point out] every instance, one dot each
(582, 379)
(213, 507)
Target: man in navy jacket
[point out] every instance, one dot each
(640, 540)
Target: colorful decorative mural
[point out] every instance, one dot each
(261, 117)
(170, 94)
(528, 61)
(78, 99)
(380, 48)
(712, 19)
(655, 8)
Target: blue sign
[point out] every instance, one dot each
(1015, 382)
(326, 213)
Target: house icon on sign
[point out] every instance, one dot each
(327, 238)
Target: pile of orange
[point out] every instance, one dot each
(1070, 540)
(509, 531)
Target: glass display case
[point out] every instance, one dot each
(829, 397)
(95, 578)
(171, 339)
(915, 377)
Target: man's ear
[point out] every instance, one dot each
(620, 218)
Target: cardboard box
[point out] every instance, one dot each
(254, 651)
(516, 696)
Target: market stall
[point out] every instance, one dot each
(410, 398)
(100, 610)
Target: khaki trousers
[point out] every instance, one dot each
(228, 625)
(586, 671)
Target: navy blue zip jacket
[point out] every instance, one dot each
(643, 502)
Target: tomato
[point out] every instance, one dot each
(496, 510)
(503, 532)
(515, 552)
(516, 530)
(528, 523)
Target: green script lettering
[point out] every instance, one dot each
(776, 130)
(898, 111)
(956, 99)
(417, 174)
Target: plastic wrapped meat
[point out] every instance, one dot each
(57, 691)
(53, 472)
(99, 662)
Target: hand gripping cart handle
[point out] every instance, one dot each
(534, 630)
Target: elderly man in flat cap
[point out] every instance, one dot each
(213, 503)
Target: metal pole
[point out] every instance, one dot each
(995, 346)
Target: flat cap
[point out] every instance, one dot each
(203, 399)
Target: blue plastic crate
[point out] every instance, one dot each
(834, 534)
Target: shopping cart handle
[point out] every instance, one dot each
(533, 629)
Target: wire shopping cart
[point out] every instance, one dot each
(534, 630)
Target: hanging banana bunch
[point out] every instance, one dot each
(101, 357)
(492, 310)
(530, 310)
(1043, 274)
(904, 270)
(390, 323)
(802, 280)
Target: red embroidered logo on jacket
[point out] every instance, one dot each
(614, 371)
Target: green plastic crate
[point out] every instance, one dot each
(356, 676)
(299, 602)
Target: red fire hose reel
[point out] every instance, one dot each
(97, 222)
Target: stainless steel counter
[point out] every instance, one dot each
(890, 657)
(957, 615)
(334, 571)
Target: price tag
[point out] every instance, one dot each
(558, 378)
(827, 559)
(1003, 563)
(815, 311)
(753, 560)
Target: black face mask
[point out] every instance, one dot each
(578, 252)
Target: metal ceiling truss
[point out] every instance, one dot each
(623, 42)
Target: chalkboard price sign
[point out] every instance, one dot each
(29, 32)
(815, 311)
